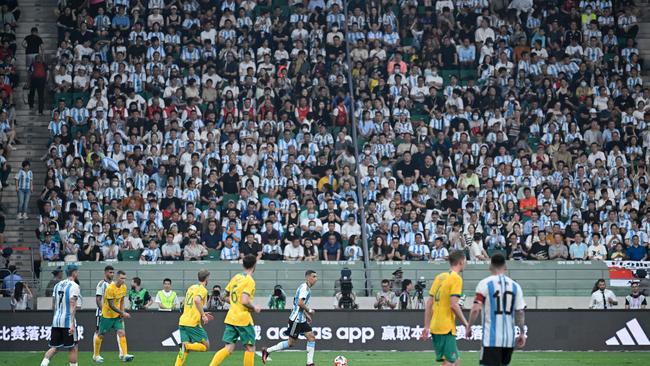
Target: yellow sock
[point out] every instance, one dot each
(97, 345)
(249, 358)
(123, 347)
(196, 347)
(219, 357)
(181, 357)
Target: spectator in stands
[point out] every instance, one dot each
(557, 250)
(496, 120)
(49, 249)
(194, 251)
(37, 82)
(139, 298)
(21, 298)
(229, 252)
(33, 45)
(601, 297)
(578, 250)
(294, 251)
(90, 250)
(171, 250)
(166, 298)
(353, 252)
(24, 188)
(636, 251)
(151, 253)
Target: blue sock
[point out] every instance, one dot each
(311, 347)
(278, 347)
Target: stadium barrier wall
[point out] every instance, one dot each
(363, 302)
(552, 330)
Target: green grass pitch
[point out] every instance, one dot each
(354, 359)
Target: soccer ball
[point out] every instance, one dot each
(340, 361)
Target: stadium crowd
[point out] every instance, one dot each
(198, 129)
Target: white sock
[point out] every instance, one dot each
(74, 364)
(45, 362)
(311, 347)
(278, 347)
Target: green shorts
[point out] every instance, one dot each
(193, 334)
(234, 333)
(108, 324)
(445, 347)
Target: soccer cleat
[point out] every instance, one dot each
(265, 355)
(98, 359)
(127, 358)
(311, 364)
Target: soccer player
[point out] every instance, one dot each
(502, 302)
(64, 333)
(112, 318)
(299, 321)
(193, 336)
(442, 308)
(239, 322)
(99, 300)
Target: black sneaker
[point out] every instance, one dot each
(265, 355)
(311, 364)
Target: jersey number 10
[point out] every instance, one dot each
(504, 302)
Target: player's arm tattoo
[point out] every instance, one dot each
(520, 319)
(111, 304)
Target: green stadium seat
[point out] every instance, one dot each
(213, 254)
(129, 255)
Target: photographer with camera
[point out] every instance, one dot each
(345, 298)
(385, 299)
(139, 297)
(278, 299)
(215, 300)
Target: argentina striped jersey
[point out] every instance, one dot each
(501, 298)
(63, 292)
(298, 314)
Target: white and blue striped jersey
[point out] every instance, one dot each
(100, 291)
(501, 298)
(63, 292)
(298, 314)
(24, 179)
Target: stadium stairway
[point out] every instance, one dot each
(32, 132)
(643, 38)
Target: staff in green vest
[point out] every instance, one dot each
(166, 298)
(139, 298)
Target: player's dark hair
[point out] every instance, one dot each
(498, 260)
(385, 281)
(203, 274)
(120, 272)
(309, 272)
(137, 280)
(249, 261)
(456, 257)
(167, 280)
(108, 268)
